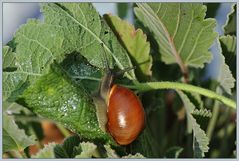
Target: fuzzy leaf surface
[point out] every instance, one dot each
(180, 30)
(85, 32)
(67, 28)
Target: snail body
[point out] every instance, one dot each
(119, 111)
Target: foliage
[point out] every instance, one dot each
(46, 152)
(230, 26)
(135, 43)
(182, 34)
(53, 68)
(200, 139)
(14, 138)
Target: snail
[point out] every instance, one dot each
(119, 110)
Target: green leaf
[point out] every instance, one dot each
(133, 156)
(84, 32)
(135, 42)
(81, 72)
(201, 140)
(88, 150)
(173, 152)
(225, 78)
(71, 28)
(202, 112)
(110, 152)
(12, 107)
(47, 152)
(9, 59)
(13, 137)
(36, 49)
(122, 9)
(60, 152)
(69, 144)
(56, 97)
(195, 98)
(230, 26)
(69, 148)
(202, 116)
(228, 44)
(182, 34)
(212, 9)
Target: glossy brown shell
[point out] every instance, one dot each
(126, 116)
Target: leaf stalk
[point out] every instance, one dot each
(142, 87)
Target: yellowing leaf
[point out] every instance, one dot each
(135, 41)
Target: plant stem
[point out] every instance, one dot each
(185, 87)
(213, 120)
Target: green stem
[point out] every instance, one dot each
(185, 87)
(213, 120)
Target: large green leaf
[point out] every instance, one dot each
(182, 34)
(66, 28)
(85, 32)
(230, 26)
(201, 140)
(32, 58)
(13, 137)
(135, 42)
(56, 97)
